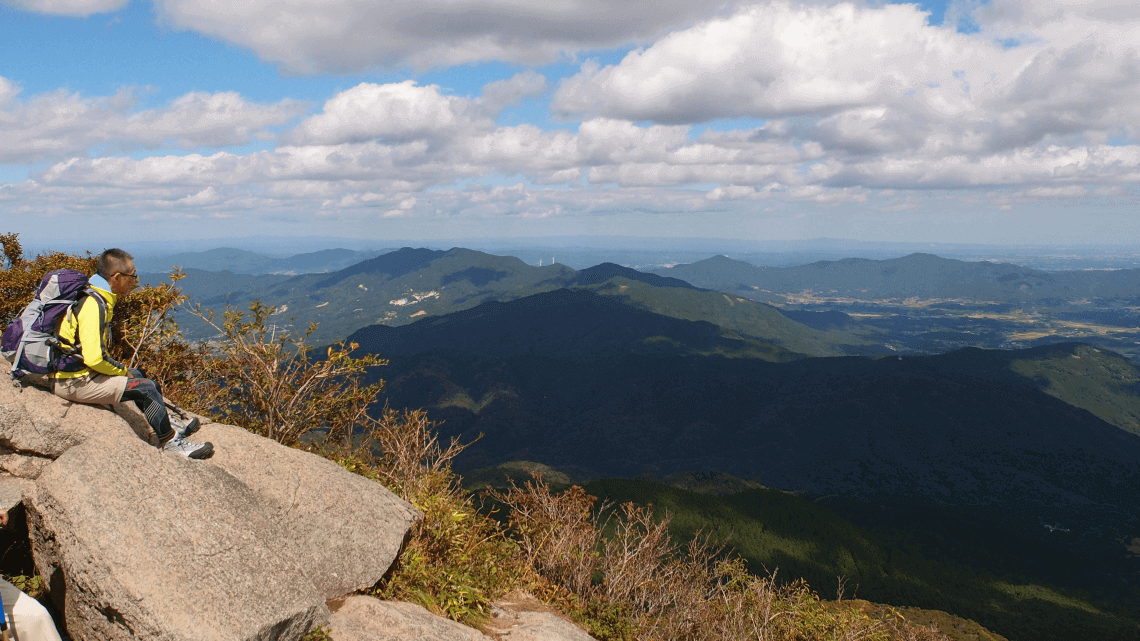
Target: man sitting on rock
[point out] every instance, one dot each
(103, 380)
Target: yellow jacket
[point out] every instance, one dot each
(91, 334)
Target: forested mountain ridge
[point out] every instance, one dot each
(403, 286)
(917, 275)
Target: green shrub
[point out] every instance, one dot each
(269, 383)
(32, 586)
(317, 634)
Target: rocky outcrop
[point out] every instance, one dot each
(364, 618)
(36, 423)
(249, 545)
(12, 491)
(521, 617)
(344, 530)
(137, 543)
(516, 617)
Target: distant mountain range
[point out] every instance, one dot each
(923, 276)
(403, 286)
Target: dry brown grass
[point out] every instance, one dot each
(620, 574)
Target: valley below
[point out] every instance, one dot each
(938, 325)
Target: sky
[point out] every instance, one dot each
(999, 121)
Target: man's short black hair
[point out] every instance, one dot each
(112, 261)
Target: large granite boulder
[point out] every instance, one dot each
(364, 618)
(341, 528)
(136, 543)
(36, 423)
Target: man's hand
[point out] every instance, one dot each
(4, 518)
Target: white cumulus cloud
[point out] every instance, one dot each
(882, 81)
(511, 91)
(773, 60)
(78, 8)
(60, 124)
(390, 112)
(312, 36)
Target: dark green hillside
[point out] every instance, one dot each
(565, 324)
(391, 265)
(605, 271)
(916, 275)
(548, 386)
(395, 289)
(1098, 380)
(325, 260)
(1025, 583)
(820, 320)
(580, 381)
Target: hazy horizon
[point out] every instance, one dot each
(647, 252)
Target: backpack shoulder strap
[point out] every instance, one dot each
(102, 322)
(102, 314)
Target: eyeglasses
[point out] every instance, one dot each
(134, 275)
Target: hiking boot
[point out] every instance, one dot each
(184, 427)
(180, 445)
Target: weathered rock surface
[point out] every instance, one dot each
(364, 618)
(517, 617)
(344, 530)
(35, 422)
(23, 466)
(136, 543)
(12, 492)
(521, 617)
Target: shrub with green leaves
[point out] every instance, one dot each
(268, 381)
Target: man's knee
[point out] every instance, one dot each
(141, 388)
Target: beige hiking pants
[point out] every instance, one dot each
(95, 389)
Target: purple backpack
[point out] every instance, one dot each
(31, 341)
